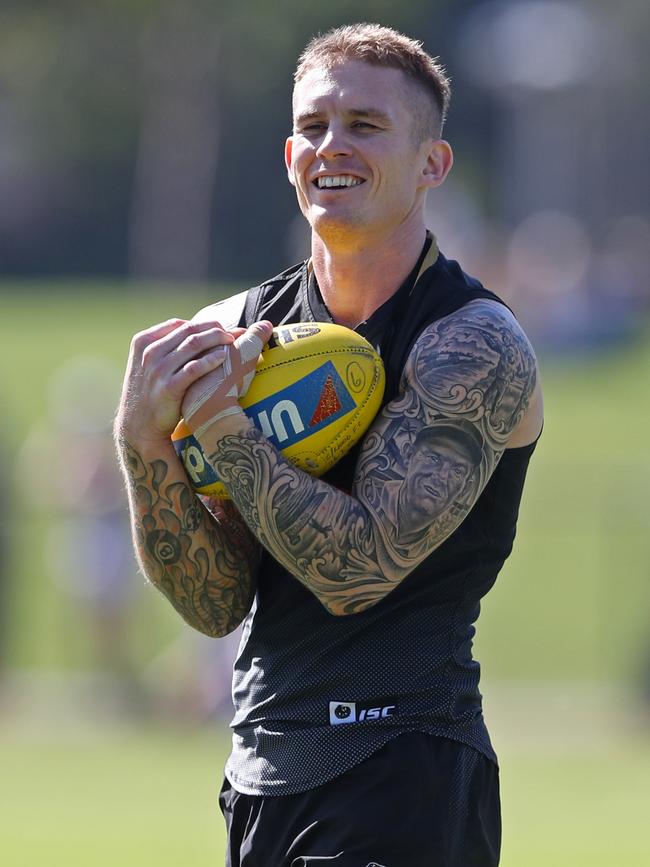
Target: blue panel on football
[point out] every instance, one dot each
(303, 408)
(197, 468)
(285, 418)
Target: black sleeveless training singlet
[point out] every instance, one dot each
(316, 694)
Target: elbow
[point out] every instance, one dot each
(211, 622)
(212, 629)
(348, 605)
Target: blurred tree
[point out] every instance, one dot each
(68, 111)
(178, 138)
(113, 155)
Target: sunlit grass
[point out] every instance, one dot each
(571, 607)
(79, 796)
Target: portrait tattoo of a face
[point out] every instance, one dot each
(440, 466)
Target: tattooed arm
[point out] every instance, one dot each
(469, 385)
(202, 557)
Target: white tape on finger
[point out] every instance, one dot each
(211, 383)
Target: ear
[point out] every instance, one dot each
(288, 150)
(439, 160)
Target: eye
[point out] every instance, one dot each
(312, 128)
(363, 124)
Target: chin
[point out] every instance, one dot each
(335, 228)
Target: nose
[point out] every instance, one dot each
(334, 143)
(444, 472)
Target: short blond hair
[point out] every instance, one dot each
(383, 46)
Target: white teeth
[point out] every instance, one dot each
(338, 181)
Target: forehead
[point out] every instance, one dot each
(442, 445)
(351, 84)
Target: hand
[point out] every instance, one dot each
(217, 394)
(164, 362)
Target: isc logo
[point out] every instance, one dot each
(343, 712)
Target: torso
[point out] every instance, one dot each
(413, 649)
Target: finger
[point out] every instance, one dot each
(205, 390)
(251, 343)
(249, 347)
(143, 339)
(196, 368)
(192, 337)
(197, 345)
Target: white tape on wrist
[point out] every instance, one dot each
(229, 410)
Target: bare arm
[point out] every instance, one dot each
(466, 388)
(200, 555)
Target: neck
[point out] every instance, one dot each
(356, 280)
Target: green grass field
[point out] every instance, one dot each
(562, 637)
(99, 797)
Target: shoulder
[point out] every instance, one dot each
(482, 329)
(230, 311)
(478, 363)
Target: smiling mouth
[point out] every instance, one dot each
(337, 182)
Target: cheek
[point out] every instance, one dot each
(300, 161)
(396, 187)
(459, 481)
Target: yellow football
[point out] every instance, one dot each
(317, 388)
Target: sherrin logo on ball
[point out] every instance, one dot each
(316, 390)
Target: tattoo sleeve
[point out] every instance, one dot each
(202, 557)
(467, 385)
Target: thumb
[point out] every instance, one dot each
(251, 343)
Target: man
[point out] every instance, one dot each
(358, 736)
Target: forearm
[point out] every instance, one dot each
(204, 564)
(325, 538)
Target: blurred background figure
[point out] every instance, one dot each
(559, 81)
(4, 572)
(67, 467)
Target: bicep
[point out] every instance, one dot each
(466, 387)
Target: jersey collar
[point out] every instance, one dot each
(378, 319)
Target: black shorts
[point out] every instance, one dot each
(420, 801)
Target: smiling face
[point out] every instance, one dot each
(354, 157)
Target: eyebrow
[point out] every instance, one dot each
(374, 113)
